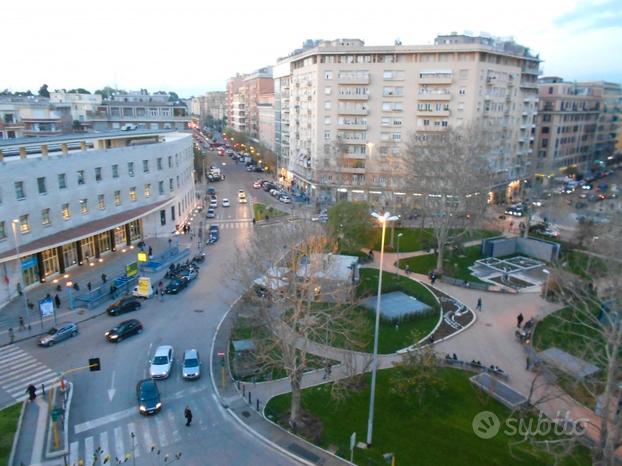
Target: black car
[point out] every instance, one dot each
(176, 285)
(123, 305)
(148, 397)
(269, 186)
(125, 329)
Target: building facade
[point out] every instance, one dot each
(27, 117)
(245, 95)
(74, 107)
(69, 200)
(343, 109)
(265, 111)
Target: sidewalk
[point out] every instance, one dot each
(113, 265)
(29, 448)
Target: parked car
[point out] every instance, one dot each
(123, 305)
(190, 274)
(285, 199)
(257, 184)
(148, 397)
(211, 213)
(162, 362)
(213, 203)
(58, 334)
(125, 329)
(192, 365)
(251, 168)
(225, 202)
(176, 285)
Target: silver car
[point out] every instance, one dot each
(192, 365)
(60, 333)
(162, 362)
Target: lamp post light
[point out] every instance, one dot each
(399, 235)
(589, 257)
(69, 285)
(546, 283)
(14, 224)
(383, 219)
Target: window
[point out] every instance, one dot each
(170, 184)
(115, 171)
(328, 90)
(117, 198)
(45, 217)
(145, 166)
(98, 173)
(327, 135)
(130, 168)
(148, 190)
(327, 120)
(396, 136)
(328, 75)
(160, 187)
(81, 178)
(162, 217)
(2, 231)
(65, 212)
(101, 201)
(462, 91)
(170, 161)
(133, 194)
(41, 185)
(173, 212)
(178, 181)
(328, 105)
(24, 224)
(84, 206)
(19, 190)
(159, 163)
(62, 181)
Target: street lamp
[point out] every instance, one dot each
(546, 283)
(399, 235)
(69, 285)
(383, 219)
(14, 224)
(589, 257)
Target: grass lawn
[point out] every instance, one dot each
(577, 263)
(437, 432)
(391, 338)
(262, 212)
(416, 239)
(8, 425)
(454, 265)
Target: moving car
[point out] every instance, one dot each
(214, 233)
(544, 229)
(162, 362)
(176, 285)
(58, 334)
(211, 213)
(148, 397)
(123, 305)
(516, 210)
(211, 191)
(242, 198)
(225, 202)
(192, 365)
(213, 203)
(125, 329)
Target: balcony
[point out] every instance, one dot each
(435, 129)
(436, 79)
(353, 141)
(353, 96)
(435, 96)
(352, 170)
(353, 111)
(433, 113)
(352, 127)
(353, 80)
(355, 156)
(51, 132)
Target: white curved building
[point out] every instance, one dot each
(71, 198)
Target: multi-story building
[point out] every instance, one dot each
(146, 111)
(209, 106)
(245, 93)
(343, 110)
(67, 200)
(233, 86)
(28, 116)
(74, 107)
(265, 109)
(577, 126)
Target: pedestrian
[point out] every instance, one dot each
(161, 294)
(433, 277)
(30, 305)
(519, 320)
(76, 286)
(32, 392)
(511, 226)
(528, 363)
(88, 285)
(254, 221)
(169, 242)
(104, 278)
(479, 304)
(188, 415)
(150, 251)
(11, 335)
(57, 300)
(48, 297)
(21, 323)
(42, 389)
(18, 287)
(407, 269)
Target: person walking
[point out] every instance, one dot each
(11, 335)
(161, 294)
(32, 392)
(57, 302)
(21, 323)
(479, 304)
(19, 289)
(88, 285)
(104, 278)
(519, 320)
(188, 415)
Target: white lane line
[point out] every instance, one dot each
(14, 357)
(147, 438)
(29, 367)
(89, 450)
(47, 380)
(119, 446)
(161, 431)
(73, 452)
(48, 385)
(19, 364)
(8, 350)
(172, 421)
(100, 421)
(18, 378)
(103, 443)
(131, 429)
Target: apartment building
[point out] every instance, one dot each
(245, 94)
(343, 110)
(265, 112)
(74, 107)
(26, 116)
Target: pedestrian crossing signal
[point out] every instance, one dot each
(94, 365)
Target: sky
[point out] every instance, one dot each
(193, 46)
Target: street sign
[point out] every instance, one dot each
(131, 269)
(46, 307)
(142, 256)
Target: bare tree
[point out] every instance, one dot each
(295, 307)
(450, 174)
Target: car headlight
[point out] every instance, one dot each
(114, 337)
(158, 405)
(142, 408)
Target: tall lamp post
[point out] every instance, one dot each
(399, 235)
(383, 219)
(546, 283)
(589, 257)
(14, 224)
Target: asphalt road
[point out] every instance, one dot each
(104, 410)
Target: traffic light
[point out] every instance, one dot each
(94, 364)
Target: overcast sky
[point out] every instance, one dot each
(193, 46)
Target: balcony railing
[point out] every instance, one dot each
(433, 113)
(353, 96)
(440, 96)
(360, 126)
(353, 79)
(352, 111)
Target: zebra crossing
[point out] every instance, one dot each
(139, 435)
(230, 225)
(18, 369)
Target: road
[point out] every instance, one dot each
(104, 410)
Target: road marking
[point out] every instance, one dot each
(94, 423)
(73, 452)
(147, 438)
(13, 357)
(161, 431)
(103, 443)
(27, 361)
(119, 446)
(131, 428)
(21, 386)
(30, 366)
(88, 450)
(173, 422)
(20, 377)
(8, 351)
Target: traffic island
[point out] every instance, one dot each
(59, 402)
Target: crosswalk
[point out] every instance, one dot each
(226, 225)
(136, 436)
(18, 369)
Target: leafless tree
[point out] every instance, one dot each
(450, 174)
(295, 307)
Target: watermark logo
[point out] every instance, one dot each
(486, 425)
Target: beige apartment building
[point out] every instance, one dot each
(245, 94)
(344, 110)
(209, 106)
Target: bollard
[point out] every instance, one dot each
(257, 402)
(238, 384)
(249, 398)
(243, 390)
